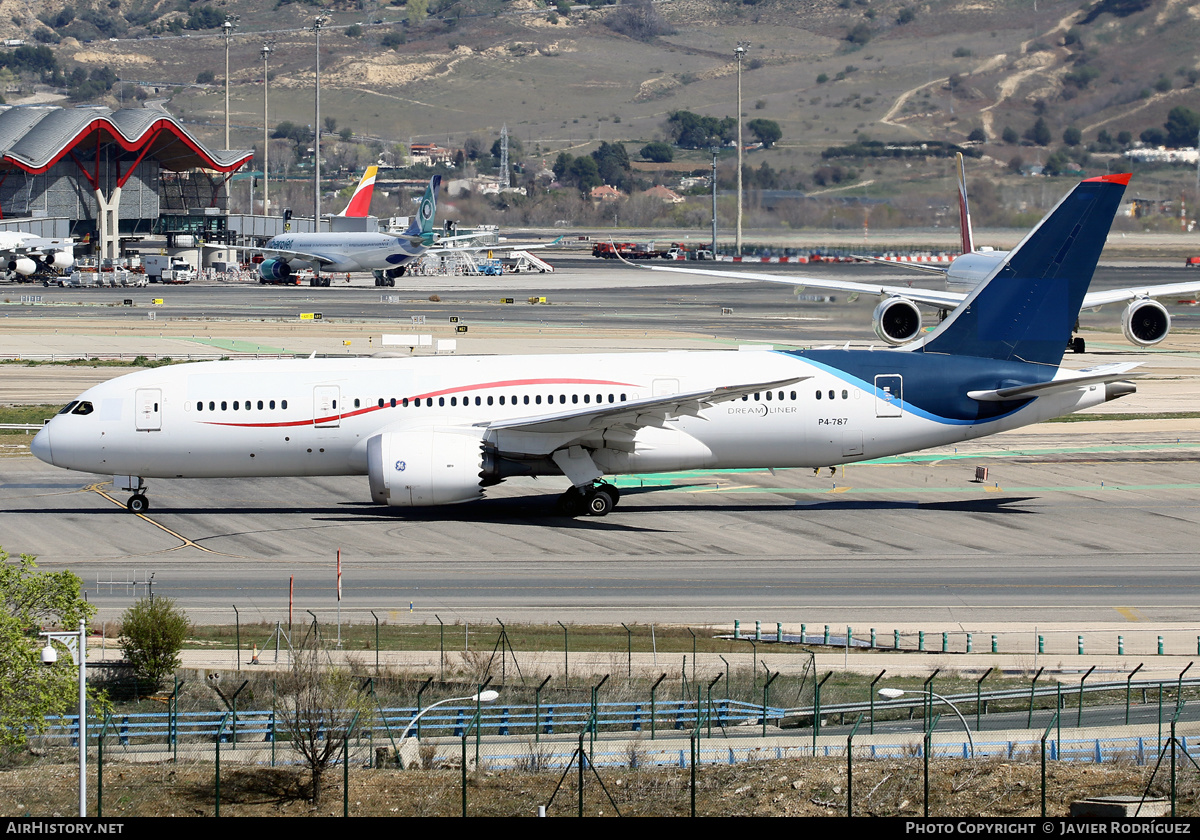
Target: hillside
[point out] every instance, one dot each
(829, 72)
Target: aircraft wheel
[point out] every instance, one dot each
(569, 503)
(600, 503)
(138, 503)
(611, 490)
(1078, 345)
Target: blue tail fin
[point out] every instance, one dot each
(1028, 307)
(422, 225)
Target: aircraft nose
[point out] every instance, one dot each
(41, 445)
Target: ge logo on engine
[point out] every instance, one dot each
(400, 466)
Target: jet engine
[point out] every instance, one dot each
(58, 259)
(22, 265)
(1145, 322)
(274, 270)
(897, 320)
(426, 467)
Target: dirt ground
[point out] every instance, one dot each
(985, 788)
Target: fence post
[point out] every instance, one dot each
(217, 785)
(850, 767)
(1046, 735)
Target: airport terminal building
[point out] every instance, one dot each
(99, 175)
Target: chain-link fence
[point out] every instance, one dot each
(792, 741)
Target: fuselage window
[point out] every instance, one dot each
(235, 405)
(793, 395)
(454, 401)
(526, 399)
(260, 404)
(356, 403)
(587, 398)
(212, 406)
(574, 398)
(611, 398)
(818, 395)
(781, 395)
(622, 398)
(199, 406)
(283, 405)
(441, 401)
(66, 409)
(770, 395)
(538, 399)
(501, 399)
(489, 400)
(224, 405)
(562, 399)
(478, 401)
(271, 405)
(830, 393)
(845, 394)
(756, 396)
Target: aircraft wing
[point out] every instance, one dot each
(908, 266)
(1066, 381)
(1095, 299)
(614, 423)
(931, 297)
(307, 256)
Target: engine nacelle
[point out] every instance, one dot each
(897, 320)
(23, 266)
(1145, 322)
(274, 269)
(425, 467)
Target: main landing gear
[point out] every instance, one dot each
(597, 500)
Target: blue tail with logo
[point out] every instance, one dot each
(422, 225)
(1026, 310)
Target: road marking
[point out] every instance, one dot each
(1129, 614)
(95, 488)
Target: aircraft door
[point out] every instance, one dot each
(147, 406)
(889, 395)
(327, 412)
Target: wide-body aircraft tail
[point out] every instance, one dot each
(360, 202)
(1027, 308)
(964, 209)
(422, 225)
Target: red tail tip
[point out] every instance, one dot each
(1120, 178)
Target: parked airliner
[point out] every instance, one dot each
(440, 430)
(1145, 322)
(352, 251)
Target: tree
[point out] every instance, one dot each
(1072, 136)
(977, 135)
(657, 152)
(859, 34)
(1182, 125)
(1039, 133)
(768, 132)
(152, 634)
(29, 691)
(205, 77)
(318, 705)
(1009, 136)
(417, 11)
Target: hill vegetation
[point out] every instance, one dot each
(1062, 89)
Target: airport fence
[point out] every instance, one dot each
(632, 746)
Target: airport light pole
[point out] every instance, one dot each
(266, 53)
(488, 696)
(227, 29)
(76, 644)
(318, 22)
(894, 693)
(738, 52)
(714, 205)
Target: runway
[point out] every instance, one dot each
(1091, 523)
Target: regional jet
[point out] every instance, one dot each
(442, 430)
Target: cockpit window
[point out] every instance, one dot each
(83, 408)
(66, 409)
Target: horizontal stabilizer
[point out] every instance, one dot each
(1066, 381)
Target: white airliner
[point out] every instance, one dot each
(440, 430)
(1145, 322)
(351, 251)
(24, 254)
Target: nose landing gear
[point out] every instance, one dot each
(138, 503)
